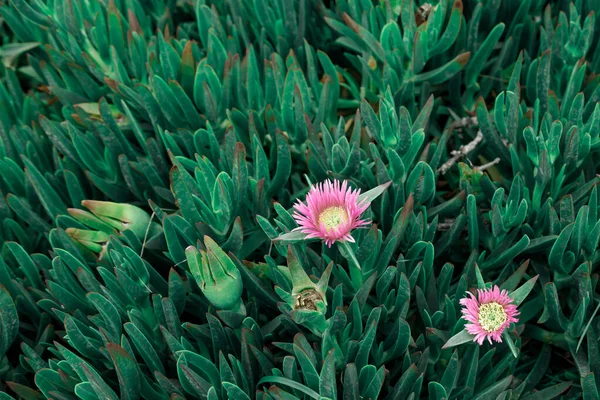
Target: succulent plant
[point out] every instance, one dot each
(155, 156)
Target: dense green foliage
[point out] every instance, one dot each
(203, 121)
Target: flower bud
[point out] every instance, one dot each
(90, 220)
(217, 276)
(120, 216)
(95, 241)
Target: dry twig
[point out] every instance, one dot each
(460, 153)
(488, 165)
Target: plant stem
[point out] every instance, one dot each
(544, 336)
(353, 265)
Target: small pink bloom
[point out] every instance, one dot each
(331, 212)
(489, 314)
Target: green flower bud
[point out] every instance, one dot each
(90, 220)
(95, 241)
(217, 276)
(120, 216)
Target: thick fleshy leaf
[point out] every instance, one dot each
(372, 194)
(458, 339)
(291, 236)
(9, 321)
(519, 295)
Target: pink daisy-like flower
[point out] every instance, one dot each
(489, 314)
(331, 212)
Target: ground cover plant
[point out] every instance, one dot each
(299, 199)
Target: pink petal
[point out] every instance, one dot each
(330, 194)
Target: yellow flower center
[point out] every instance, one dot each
(491, 316)
(332, 217)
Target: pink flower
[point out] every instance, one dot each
(331, 212)
(489, 314)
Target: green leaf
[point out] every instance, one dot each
(26, 264)
(283, 165)
(327, 384)
(549, 392)
(368, 339)
(177, 291)
(479, 278)
(445, 72)
(406, 382)
(290, 383)
(520, 294)
(311, 377)
(11, 51)
(553, 307)
(25, 393)
(9, 321)
(127, 372)
(83, 343)
(109, 313)
(4, 396)
(508, 254)
(458, 339)
(291, 236)
(588, 385)
(437, 391)
(478, 61)
(371, 381)
(144, 347)
(234, 392)
(511, 344)
(47, 195)
(542, 82)
(451, 373)
(493, 391)
(50, 383)
(254, 285)
(372, 194)
(199, 365)
(451, 32)
(98, 384)
(37, 16)
(511, 282)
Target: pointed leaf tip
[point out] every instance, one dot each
(458, 339)
(519, 295)
(324, 280)
(511, 344)
(373, 193)
(290, 236)
(300, 279)
(464, 58)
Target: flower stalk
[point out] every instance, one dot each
(353, 264)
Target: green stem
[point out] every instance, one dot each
(353, 265)
(544, 336)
